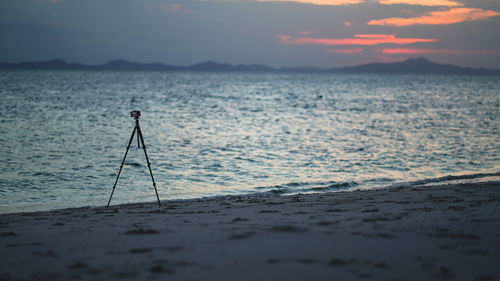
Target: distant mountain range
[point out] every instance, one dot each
(416, 65)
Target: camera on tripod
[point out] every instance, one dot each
(140, 139)
(135, 114)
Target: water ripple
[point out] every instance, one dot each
(64, 134)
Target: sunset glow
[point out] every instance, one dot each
(421, 51)
(375, 36)
(422, 2)
(345, 51)
(430, 3)
(176, 8)
(320, 2)
(439, 51)
(359, 39)
(454, 15)
(278, 33)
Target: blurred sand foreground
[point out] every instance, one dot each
(449, 232)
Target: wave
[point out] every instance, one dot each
(318, 187)
(308, 187)
(449, 178)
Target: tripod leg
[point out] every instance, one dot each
(138, 144)
(139, 135)
(123, 162)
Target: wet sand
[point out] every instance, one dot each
(448, 232)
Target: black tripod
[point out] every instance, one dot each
(136, 115)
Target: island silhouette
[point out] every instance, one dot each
(414, 65)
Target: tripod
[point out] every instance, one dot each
(137, 128)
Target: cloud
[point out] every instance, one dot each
(176, 8)
(439, 51)
(451, 16)
(422, 2)
(375, 36)
(321, 2)
(345, 51)
(358, 39)
(441, 3)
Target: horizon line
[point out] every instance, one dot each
(309, 68)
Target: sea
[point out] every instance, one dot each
(64, 134)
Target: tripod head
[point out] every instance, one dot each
(136, 114)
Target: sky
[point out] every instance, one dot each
(324, 33)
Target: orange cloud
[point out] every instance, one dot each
(359, 39)
(375, 36)
(438, 51)
(421, 51)
(422, 2)
(320, 2)
(447, 3)
(454, 15)
(176, 8)
(345, 51)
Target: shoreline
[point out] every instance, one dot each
(464, 178)
(438, 232)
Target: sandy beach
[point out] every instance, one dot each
(447, 232)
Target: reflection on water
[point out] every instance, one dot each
(64, 133)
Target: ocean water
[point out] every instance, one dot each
(64, 134)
